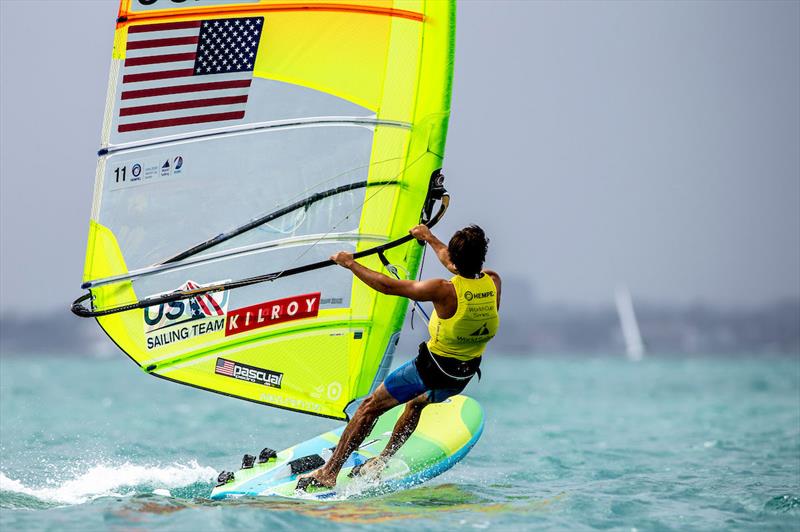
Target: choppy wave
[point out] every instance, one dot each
(104, 481)
(784, 504)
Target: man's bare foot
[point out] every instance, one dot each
(315, 479)
(369, 470)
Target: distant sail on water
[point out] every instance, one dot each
(243, 144)
(634, 346)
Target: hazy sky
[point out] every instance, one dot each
(655, 144)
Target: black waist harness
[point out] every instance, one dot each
(445, 372)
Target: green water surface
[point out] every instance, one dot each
(570, 443)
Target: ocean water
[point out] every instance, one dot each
(570, 443)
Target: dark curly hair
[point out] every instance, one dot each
(468, 250)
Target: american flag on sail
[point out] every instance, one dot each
(207, 302)
(224, 367)
(189, 72)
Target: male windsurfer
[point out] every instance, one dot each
(463, 321)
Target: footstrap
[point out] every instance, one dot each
(310, 482)
(266, 455)
(305, 464)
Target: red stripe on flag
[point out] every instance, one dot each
(179, 89)
(214, 304)
(156, 43)
(162, 74)
(174, 106)
(203, 306)
(154, 59)
(163, 27)
(183, 121)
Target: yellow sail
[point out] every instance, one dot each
(243, 144)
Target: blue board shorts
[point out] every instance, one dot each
(406, 382)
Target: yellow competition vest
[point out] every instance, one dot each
(465, 335)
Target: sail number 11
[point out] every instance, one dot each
(121, 173)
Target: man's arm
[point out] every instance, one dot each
(422, 232)
(434, 290)
(497, 283)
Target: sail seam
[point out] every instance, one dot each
(250, 341)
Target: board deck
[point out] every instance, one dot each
(445, 434)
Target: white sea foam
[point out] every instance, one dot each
(104, 481)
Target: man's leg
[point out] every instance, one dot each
(359, 428)
(405, 426)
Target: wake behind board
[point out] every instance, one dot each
(445, 434)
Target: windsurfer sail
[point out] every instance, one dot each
(245, 142)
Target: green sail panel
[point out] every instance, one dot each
(242, 138)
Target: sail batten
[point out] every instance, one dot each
(240, 129)
(364, 7)
(244, 143)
